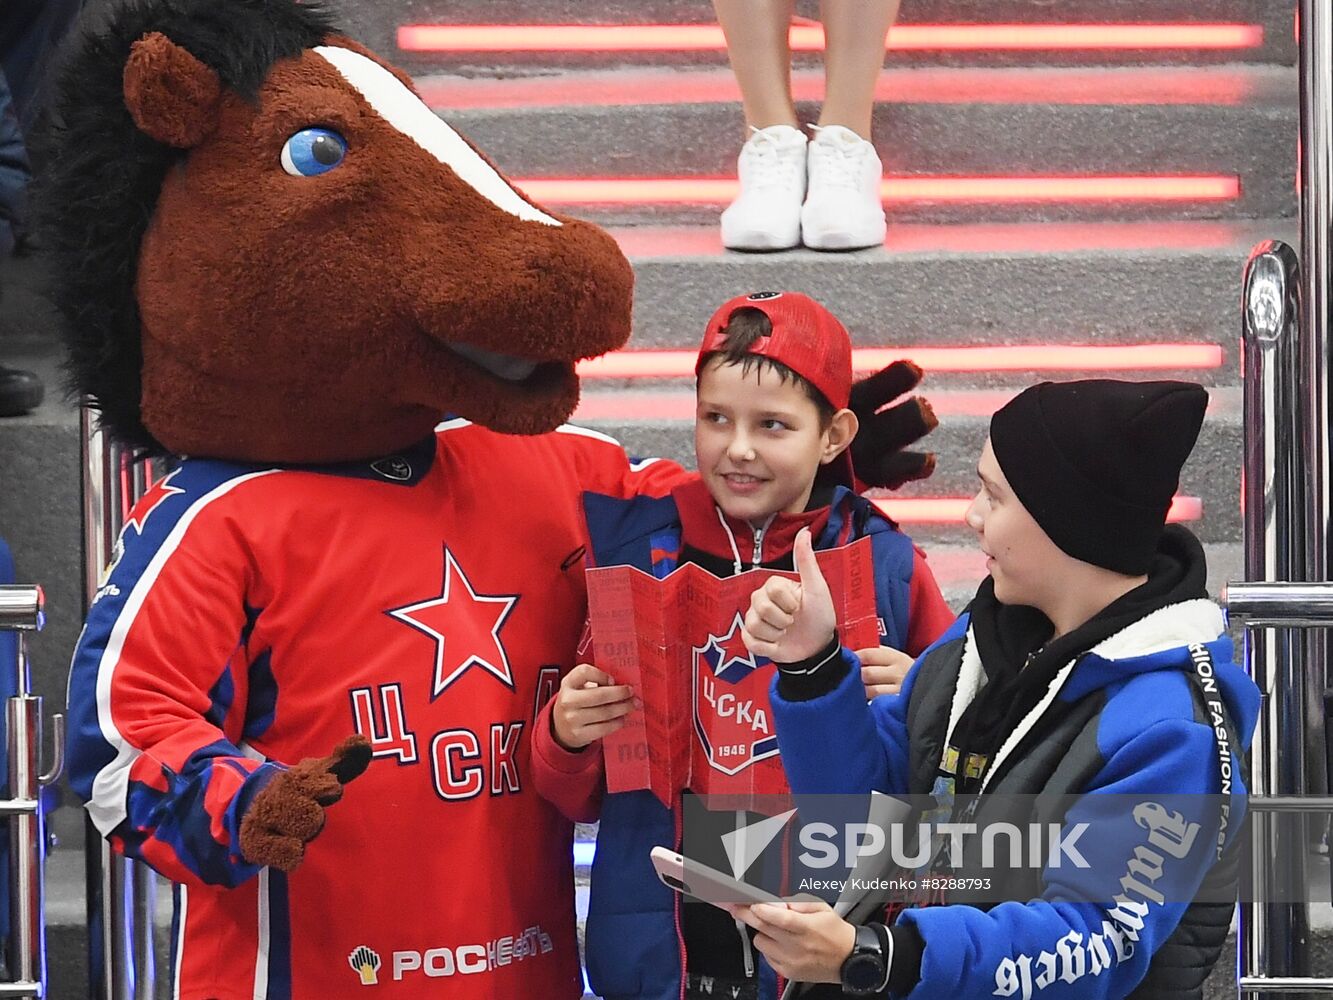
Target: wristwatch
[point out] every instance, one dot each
(865, 972)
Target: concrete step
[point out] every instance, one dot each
(662, 424)
(67, 929)
(1100, 283)
(377, 25)
(1233, 122)
(1059, 285)
(972, 285)
(960, 567)
(1227, 84)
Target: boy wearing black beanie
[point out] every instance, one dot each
(1090, 660)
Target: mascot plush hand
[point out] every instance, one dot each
(880, 450)
(275, 259)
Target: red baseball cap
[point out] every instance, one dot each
(806, 337)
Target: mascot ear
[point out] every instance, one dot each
(172, 96)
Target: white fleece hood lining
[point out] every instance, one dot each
(970, 675)
(1171, 627)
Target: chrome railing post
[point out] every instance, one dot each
(1273, 934)
(1313, 402)
(121, 893)
(1316, 195)
(21, 611)
(1288, 475)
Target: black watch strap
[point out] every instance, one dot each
(865, 972)
(886, 944)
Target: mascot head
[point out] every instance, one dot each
(270, 249)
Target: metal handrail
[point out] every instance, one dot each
(22, 608)
(1288, 475)
(21, 611)
(1285, 984)
(122, 893)
(1280, 604)
(1273, 934)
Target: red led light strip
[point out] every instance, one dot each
(807, 37)
(1019, 357)
(894, 190)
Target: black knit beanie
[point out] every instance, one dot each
(1097, 462)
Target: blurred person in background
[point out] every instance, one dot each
(823, 192)
(30, 31)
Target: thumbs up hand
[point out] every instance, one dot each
(790, 621)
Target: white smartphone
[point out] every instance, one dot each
(708, 884)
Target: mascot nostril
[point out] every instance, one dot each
(553, 298)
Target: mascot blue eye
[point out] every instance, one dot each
(313, 151)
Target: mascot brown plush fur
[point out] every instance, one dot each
(274, 259)
(365, 278)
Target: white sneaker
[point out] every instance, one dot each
(843, 209)
(766, 215)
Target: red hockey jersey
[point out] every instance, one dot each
(429, 600)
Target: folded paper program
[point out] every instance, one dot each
(706, 724)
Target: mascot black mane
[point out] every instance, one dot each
(101, 187)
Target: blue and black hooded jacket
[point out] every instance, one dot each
(1154, 707)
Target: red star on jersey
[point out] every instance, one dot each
(731, 648)
(465, 626)
(151, 500)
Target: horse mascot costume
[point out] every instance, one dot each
(273, 258)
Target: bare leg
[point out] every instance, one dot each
(855, 32)
(760, 57)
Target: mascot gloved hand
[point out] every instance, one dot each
(881, 455)
(289, 812)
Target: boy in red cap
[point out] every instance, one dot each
(772, 437)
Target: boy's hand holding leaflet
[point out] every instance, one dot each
(790, 621)
(883, 669)
(588, 706)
